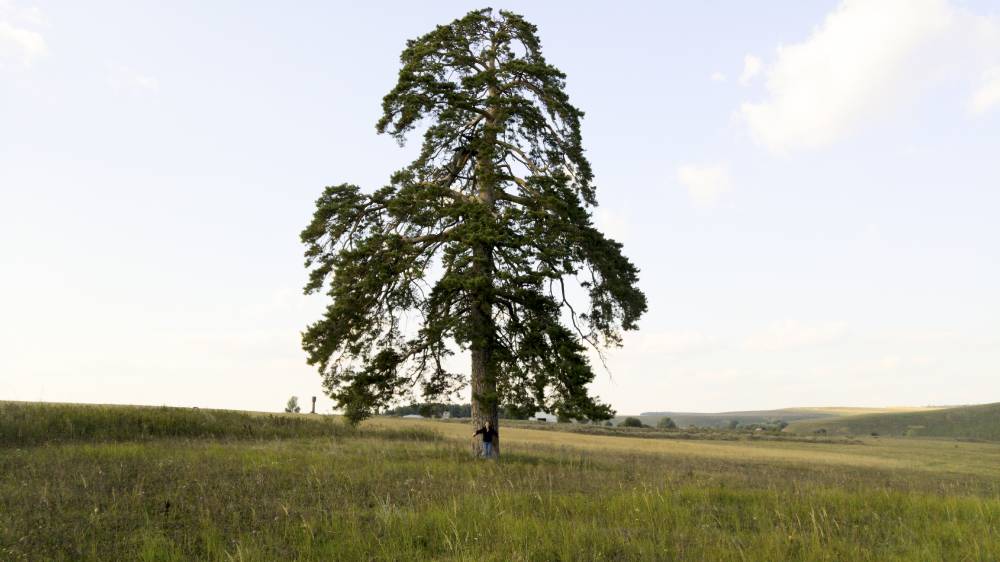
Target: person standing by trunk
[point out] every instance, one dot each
(488, 434)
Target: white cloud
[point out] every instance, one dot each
(675, 342)
(612, 223)
(718, 77)
(22, 46)
(752, 66)
(791, 334)
(147, 82)
(124, 79)
(704, 184)
(890, 362)
(988, 95)
(866, 57)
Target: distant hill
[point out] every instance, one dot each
(790, 415)
(856, 410)
(966, 422)
(722, 419)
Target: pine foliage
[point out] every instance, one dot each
(479, 240)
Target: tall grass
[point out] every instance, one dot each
(385, 494)
(27, 424)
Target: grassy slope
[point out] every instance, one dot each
(27, 423)
(967, 422)
(856, 410)
(722, 419)
(390, 491)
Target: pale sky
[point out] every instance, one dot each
(810, 190)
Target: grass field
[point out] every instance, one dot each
(407, 490)
(722, 419)
(964, 422)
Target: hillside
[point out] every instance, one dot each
(964, 422)
(722, 419)
(857, 410)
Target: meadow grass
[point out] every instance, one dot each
(30, 423)
(981, 421)
(722, 419)
(391, 490)
(697, 433)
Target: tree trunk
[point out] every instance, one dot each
(483, 372)
(485, 401)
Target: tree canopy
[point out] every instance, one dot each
(476, 245)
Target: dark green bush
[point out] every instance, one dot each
(666, 423)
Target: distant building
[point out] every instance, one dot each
(545, 417)
(414, 416)
(445, 415)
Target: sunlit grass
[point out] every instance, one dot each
(981, 421)
(389, 490)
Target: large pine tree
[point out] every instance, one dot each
(478, 242)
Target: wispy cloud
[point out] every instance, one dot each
(124, 79)
(987, 96)
(19, 44)
(30, 15)
(612, 223)
(791, 334)
(752, 66)
(705, 184)
(675, 342)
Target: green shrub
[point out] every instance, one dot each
(666, 423)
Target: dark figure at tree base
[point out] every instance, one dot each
(488, 434)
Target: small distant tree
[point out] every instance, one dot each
(733, 424)
(292, 407)
(428, 410)
(632, 422)
(608, 424)
(666, 423)
(563, 419)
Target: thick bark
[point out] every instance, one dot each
(484, 403)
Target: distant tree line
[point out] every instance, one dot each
(437, 410)
(766, 425)
(664, 423)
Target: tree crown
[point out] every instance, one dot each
(495, 209)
